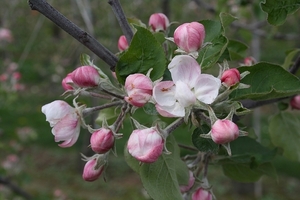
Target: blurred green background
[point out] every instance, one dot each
(45, 54)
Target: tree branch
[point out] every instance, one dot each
(14, 188)
(118, 11)
(83, 37)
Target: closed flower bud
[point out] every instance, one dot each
(248, 61)
(5, 35)
(158, 22)
(185, 188)
(224, 131)
(91, 171)
(189, 37)
(201, 194)
(295, 102)
(66, 82)
(146, 145)
(85, 76)
(139, 89)
(122, 43)
(231, 77)
(102, 140)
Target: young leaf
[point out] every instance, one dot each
(144, 53)
(267, 81)
(161, 179)
(289, 58)
(284, 132)
(244, 173)
(237, 50)
(278, 10)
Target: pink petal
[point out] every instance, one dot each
(184, 95)
(175, 110)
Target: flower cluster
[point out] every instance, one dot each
(188, 95)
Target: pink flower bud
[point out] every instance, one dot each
(146, 145)
(231, 77)
(201, 194)
(85, 76)
(122, 43)
(224, 131)
(158, 22)
(185, 188)
(248, 61)
(90, 172)
(139, 89)
(295, 102)
(189, 36)
(66, 82)
(102, 140)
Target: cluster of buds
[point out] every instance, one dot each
(188, 92)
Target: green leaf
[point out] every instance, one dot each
(85, 60)
(150, 109)
(289, 58)
(204, 144)
(284, 131)
(144, 53)
(162, 178)
(278, 10)
(249, 161)
(216, 44)
(226, 19)
(237, 50)
(267, 81)
(248, 150)
(244, 173)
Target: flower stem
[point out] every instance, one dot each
(88, 111)
(173, 126)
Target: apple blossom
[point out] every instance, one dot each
(158, 22)
(85, 76)
(295, 102)
(102, 140)
(231, 77)
(146, 145)
(66, 82)
(65, 122)
(122, 43)
(188, 86)
(185, 188)
(248, 61)
(224, 131)
(202, 194)
(92, 171)
(139, 89)
(189, 37)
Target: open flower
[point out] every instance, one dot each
(65, 122)
(188, 85)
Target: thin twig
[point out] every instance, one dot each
(14, 188)
(83, 37)
(118, 11)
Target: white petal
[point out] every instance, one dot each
(164, 93)
(184, 95)
(56, 110)
(171, 111)
(207, 88)
(186, 69)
